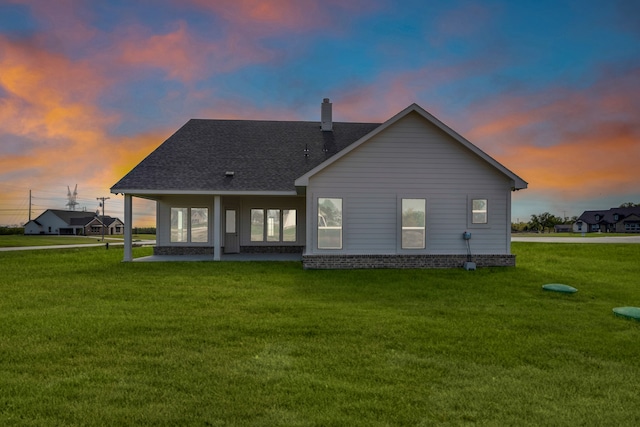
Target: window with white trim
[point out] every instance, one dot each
(413, 223)
(273, 225)
(479, 211)
(329, 223)
(189, 225)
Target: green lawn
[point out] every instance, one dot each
(20, 240)
(88, 340)
(590, 235)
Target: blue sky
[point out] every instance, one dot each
(549, 88)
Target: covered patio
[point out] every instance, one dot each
(224, 257)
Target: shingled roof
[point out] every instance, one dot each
(264, 156)
(73, 217)
(608, 215)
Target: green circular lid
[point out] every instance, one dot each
(557, 287)
(628, 312)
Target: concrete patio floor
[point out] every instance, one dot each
(225, 257)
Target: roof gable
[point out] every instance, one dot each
(518, 183)
(632, 218)
(590, 216)
(69, 217)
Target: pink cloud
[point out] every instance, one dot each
(63, 23)
(185, 56)
(245, 24)
(585, 140)
(276, 16)
(391, 92)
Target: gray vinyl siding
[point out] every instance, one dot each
(413, 159)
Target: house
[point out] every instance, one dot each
(396, 194)
(614, 220)
(61, 222)
(562, 228)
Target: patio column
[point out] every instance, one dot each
(217, 228)
(128, 235)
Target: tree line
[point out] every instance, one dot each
(541, 223)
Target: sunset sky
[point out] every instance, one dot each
(551, 89)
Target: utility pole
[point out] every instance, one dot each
(102, 200)
(29, 205)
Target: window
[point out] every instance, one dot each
(179, 225)
(479, 212)
(199, 225)
(413, 223)
(273, 225)
(632, 227)
(289, 225)
(189, 225)
(329, 223)
(257, 225)
(230, 221)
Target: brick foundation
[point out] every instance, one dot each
(182, 250)
(271, 249)
(320, 262)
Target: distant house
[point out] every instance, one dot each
(73, 223)
(342, 195)
(562, 228)
(614, 220)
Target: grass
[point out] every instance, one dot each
(88, 340)
(20, 240)
(589, 235)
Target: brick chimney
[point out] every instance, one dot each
(326, 122)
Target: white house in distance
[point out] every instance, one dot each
(398, 194)
(73, 223)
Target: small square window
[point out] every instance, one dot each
(479, 211)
